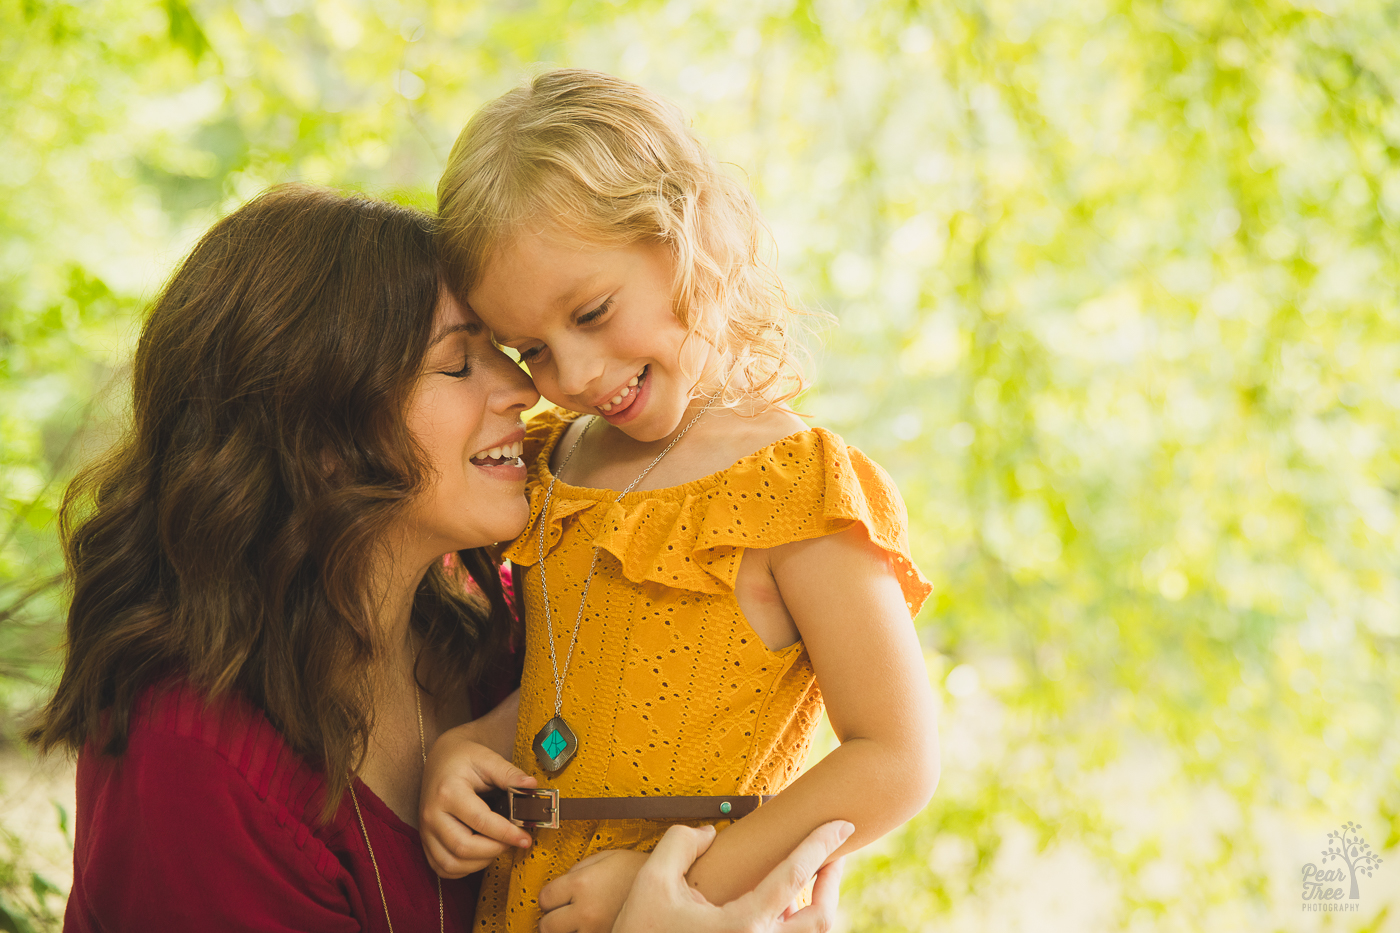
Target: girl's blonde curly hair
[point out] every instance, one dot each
(612, 162)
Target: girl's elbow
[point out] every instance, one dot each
(929, 768)
(918, 766)
(922, 770)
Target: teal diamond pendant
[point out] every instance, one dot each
(555, 744)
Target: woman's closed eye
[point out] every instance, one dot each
(466, 370)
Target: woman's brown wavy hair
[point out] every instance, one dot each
(229, 537)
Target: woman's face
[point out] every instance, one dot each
(465, 414)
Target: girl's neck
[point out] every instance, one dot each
(609, 459)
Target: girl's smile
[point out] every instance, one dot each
(627, 399)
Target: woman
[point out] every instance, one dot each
(264, 636)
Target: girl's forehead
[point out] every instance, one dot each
(546, 244)
(544, 273)
(538, 272)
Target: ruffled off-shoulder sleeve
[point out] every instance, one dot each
(693, 536)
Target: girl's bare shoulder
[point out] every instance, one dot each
(734, 435)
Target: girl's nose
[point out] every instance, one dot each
(577, 372)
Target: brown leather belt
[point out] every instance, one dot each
(543, 808)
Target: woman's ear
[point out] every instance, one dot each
(328, 464)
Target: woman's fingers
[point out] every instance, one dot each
(827, 891)
(787, 880)
(675, 853)
(820, 915)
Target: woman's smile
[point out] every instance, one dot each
(502, 460)
(465, 416)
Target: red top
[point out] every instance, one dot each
(209, 822)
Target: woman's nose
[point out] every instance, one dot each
(516, 389)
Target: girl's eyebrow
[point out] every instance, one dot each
(569, 300)
(471, 329)
(578, 293)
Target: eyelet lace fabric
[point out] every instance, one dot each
(670, 691)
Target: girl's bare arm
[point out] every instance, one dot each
(496, 729)
(843, 594)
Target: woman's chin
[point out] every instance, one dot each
(513, 521)
(493, 522)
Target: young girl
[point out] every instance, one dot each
(698, 560)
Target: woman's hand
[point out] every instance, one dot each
(661, 898)
(460, 833)
(588, 896)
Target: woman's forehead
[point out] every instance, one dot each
(454, 317)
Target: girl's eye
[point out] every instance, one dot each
(529, 353)
(596, 313)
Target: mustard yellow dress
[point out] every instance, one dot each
(670, 692)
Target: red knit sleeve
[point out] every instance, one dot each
(172, 837)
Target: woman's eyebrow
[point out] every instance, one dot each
(471, 329)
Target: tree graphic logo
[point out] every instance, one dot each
(1347, 846)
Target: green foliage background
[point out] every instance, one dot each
(1116, 290)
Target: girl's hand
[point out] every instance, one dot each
(661, 899)
(460, 833)
(587, 898)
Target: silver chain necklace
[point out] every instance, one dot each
(555, 743)
(364, 830)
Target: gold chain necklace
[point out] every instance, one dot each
(556, 743)
(422, 750)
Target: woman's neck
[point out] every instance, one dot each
(403, 725)
(396, 582)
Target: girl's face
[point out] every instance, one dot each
(465, 414)
(596, 327)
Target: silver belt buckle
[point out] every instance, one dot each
(538, 793)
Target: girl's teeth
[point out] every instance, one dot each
(631, 384)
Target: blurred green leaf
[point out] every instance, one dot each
(12, 921)
(1116, 291)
